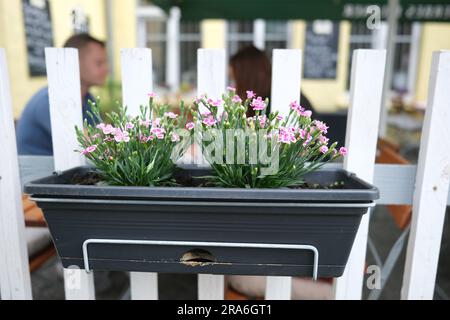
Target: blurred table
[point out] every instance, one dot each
(32, 213)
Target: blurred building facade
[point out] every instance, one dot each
(134, 23)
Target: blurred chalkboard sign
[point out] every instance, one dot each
(38, 31)
(321, 50)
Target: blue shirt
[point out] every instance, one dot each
(34, 132)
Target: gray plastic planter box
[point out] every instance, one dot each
(205, 230)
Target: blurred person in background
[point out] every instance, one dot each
(34, 134)
(251, 69)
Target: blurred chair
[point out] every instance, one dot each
(388, 153)
(39, 242)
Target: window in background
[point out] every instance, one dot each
(155, 31)
(406, 48)
(190, 41)
(239, 35)
(277, 36)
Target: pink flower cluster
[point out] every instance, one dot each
(300, 110)
(89, 149)
(209, 121)
(119, 134)
(258, 104)
(286, 135)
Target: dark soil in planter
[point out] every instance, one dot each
(187, 180)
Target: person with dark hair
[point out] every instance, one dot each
(34, 136)
(250, 69)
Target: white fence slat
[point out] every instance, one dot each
(211, 72)
(14, 270)
(64, 90)
(63, 73)
(137, 80)
(173, 49)
(279, 288)
(286, 80)
(144, 285)
(137, 83)
(211, 81)
(211, 287)
(361, 141)
(432, 186)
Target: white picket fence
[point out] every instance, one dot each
(426, 186)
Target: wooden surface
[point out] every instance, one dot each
(432, 186)
(63, 74)
(211, 81)
(137, 83)
(286, 65)
(361, 140)
(14, 274)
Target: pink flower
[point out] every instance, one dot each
(129, 125)
(231, 89)
(306, 113)
(145, 123)
(108, 129)
(142, 138)
(302, 133)
(190, 125)
(323, 149)
(156, 122)
(308, 140)
(236, 99)
(280, 118)
(210, 121)
(343, 151)
(152, 95)
(150, 137)
(296, 106)
(199, 99)
(171, 115)
(286, 136)
(216, 103)
(206, 113)
(323, 139)
(89, 149)
(175, 137)
(258, 104)
(321, 126)
(100, 126)
(262, 120)
(158, 131)
(250, 94)
(121, 136)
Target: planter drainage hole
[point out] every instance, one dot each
(197, 257)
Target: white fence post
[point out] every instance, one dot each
(432, 184)
(137, 83)
(14, 270)
(64, 88)
(361, 141)
(137, 80)
(286, 79)
(173, 49)
(211, 81)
